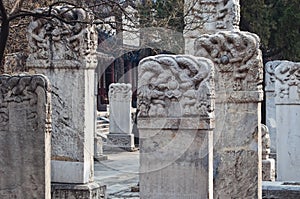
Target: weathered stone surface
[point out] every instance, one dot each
(281, 190)
(120, 141)
(268, 164)
(98, 149)
(62, 45)
(268, 170)
(69, 191)
(209, 16)
(236, 56)
(287, 100)
(177, 92)
(73, 124)
(120, 122)
(65, 53)
(286, 83)
(25, 136)
(237, 164)
(175, 121)
(238, 84)
(270, 101)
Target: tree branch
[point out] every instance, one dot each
(17, 6)
(46, 15)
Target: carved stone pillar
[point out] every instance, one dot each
(287, 101)
(176, 121)
(238, 84)
(268, 164)
(208, 16)
(25, 137)
(66, 54)
(120, 124)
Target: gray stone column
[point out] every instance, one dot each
(238, 84)
(25, 136)
(66, 54)
(207, 17)
(270, 101)
(287, 102)
(176, 121)
(120, 123)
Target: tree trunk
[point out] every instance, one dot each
(3, 34)
(3, 40)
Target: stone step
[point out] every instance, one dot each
(284, 190)
(103, 131)
(102, 125)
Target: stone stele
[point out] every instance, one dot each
(175, 121)
(238, 84)
(120, 123)
(25, 131)
(287, 101)
(66, 54)
(270, 101)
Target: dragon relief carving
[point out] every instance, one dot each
(287, 83)
(237, 59)
(73, 38)
(19, 89)
(270, 74)
(119, 141)
(120, 92)
(175, 86)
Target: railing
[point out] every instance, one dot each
(102, 124)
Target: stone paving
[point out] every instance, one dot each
(119, 173)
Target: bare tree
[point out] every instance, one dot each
(15, 17)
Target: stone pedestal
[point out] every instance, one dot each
(286, 190)
(175, 121)
(25, 137)
(74, 191)
(120, 123)
(268, 169)
(238, 84)
(120, 141)
(288, 122)
(66, 54)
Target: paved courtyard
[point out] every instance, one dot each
(119, 173)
